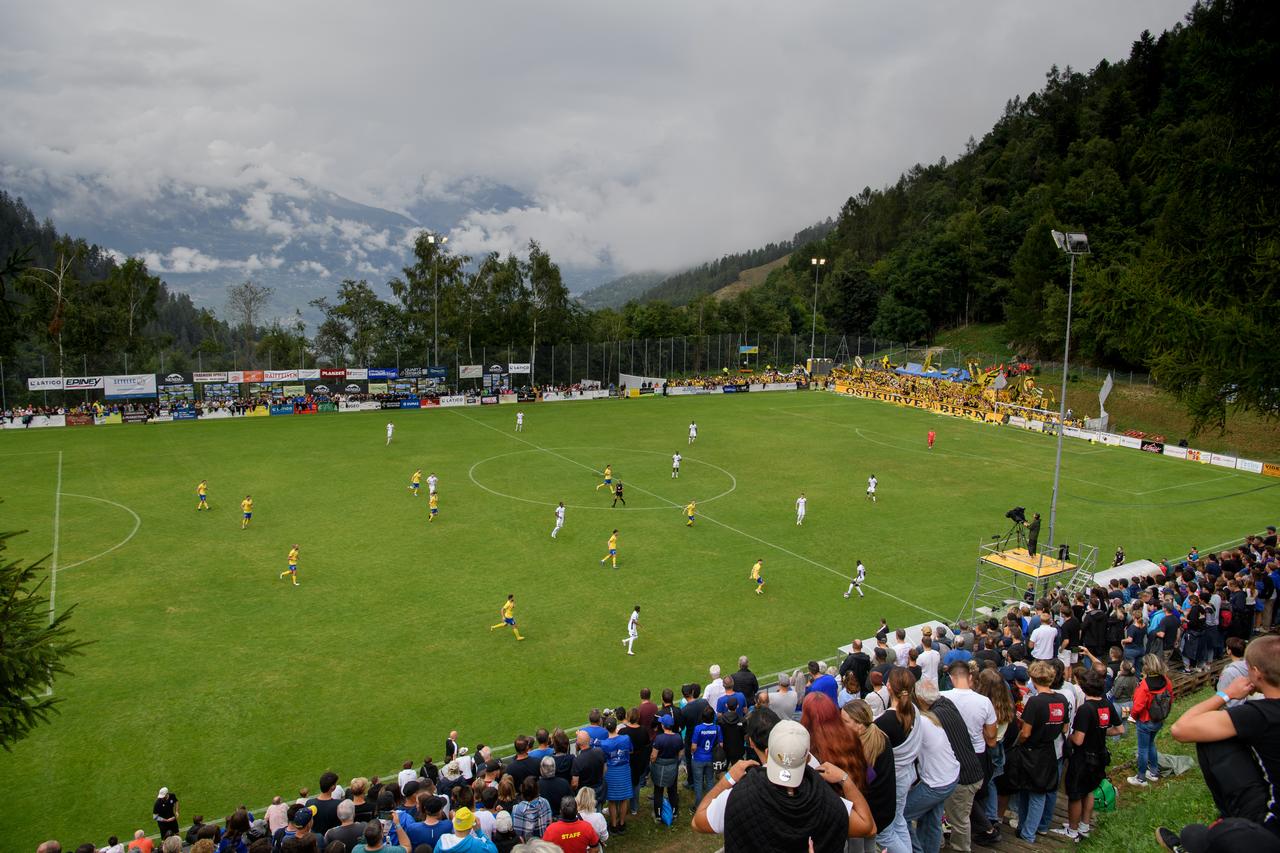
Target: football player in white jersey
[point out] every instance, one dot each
(859, 575)
(675, 465)
(633, 629)
(559, 519)
(801, 503)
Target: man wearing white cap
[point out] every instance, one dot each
(165, 813)
(791, 805)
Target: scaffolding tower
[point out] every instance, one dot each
(1004, 573)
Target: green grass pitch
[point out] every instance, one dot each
(211, 675)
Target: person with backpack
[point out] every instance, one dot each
(1152, 701)
(1095, 720)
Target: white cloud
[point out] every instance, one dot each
(650, 134)
(184, 259)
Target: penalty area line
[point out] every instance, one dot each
(743, 533)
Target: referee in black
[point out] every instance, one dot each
(617, 494)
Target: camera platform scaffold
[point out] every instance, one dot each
(1003, 575)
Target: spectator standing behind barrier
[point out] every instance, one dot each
(1032, 769)
(165, 813)
(900, 724)
(664, 767)
(787, 805)
(1234, 742)
(881, 790)
(939, 769)
(965, 808)
(1152, 700)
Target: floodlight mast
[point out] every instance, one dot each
(817, 264)
(1073, 243)
(435, 288)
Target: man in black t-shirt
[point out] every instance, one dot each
(1087, 766)
(1043, 718)
(1068, 636)
(588, 767)
(523, 765)
(1250, 726)
(325, 807)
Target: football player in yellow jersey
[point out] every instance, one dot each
(434, 506)
(293, 564)
(508, 612)
(246, 507)
(202, 495)
(689, 512)
(613, 550)
(757, 576)
(608, 479)
(415, 482)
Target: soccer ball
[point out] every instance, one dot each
(846, 595)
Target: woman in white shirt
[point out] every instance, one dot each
(938, 770)
(587, 811)
(901, 724)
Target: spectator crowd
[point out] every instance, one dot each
(970, 734)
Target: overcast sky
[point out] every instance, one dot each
(655, 133)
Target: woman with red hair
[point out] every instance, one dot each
(831, 740)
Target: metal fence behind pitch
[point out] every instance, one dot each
(553, 364)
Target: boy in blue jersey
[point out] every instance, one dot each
(706, 735)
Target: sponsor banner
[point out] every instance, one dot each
(735, 389)
(333, 373)
(1222, 461)
(174, 379)
(412, 372)
(552, 397)
(130, 385)
(321, 388)
(327, 407)
(279, 376)
(489, 400)
(170, 394)
(1270, 470)
(349, 406)
(755, 386)
(383, 373)
(134, 417)
(82, 383)
(352, 388)
(370, 405)
(209, 376)
(507, 397)
(216, 414)
(411, 403)
(293, 390)
(235, 377)
(309, 373)
(257, 412)
(218, 391)
(37, 422)
(281, 410)
(684, 390)
(470, 371)
(305, 410)
(1076, 432)
(258, 389)
(162, 418)
(473, 401)
(389, 404)
(357, 373)
(1175, 451)
(87, 420)
(1197, 456)
(1036, 426)
(430, 402)
(403, 386)
(113, 418)
(1017, 420)
(184, 414)
(253, 376)
(44, 383)
(377, 387)
(438, 372)
(1153, 447)
(1241, 464)
(453, 400)
(518, 367)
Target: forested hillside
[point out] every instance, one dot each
(1168, 159)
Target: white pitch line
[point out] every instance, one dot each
(673, 504)
(57, 532)
(137, 523)
(1187, 485)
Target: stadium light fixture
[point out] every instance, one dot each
(435, 288)
(817, 264)
(1073, 244)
